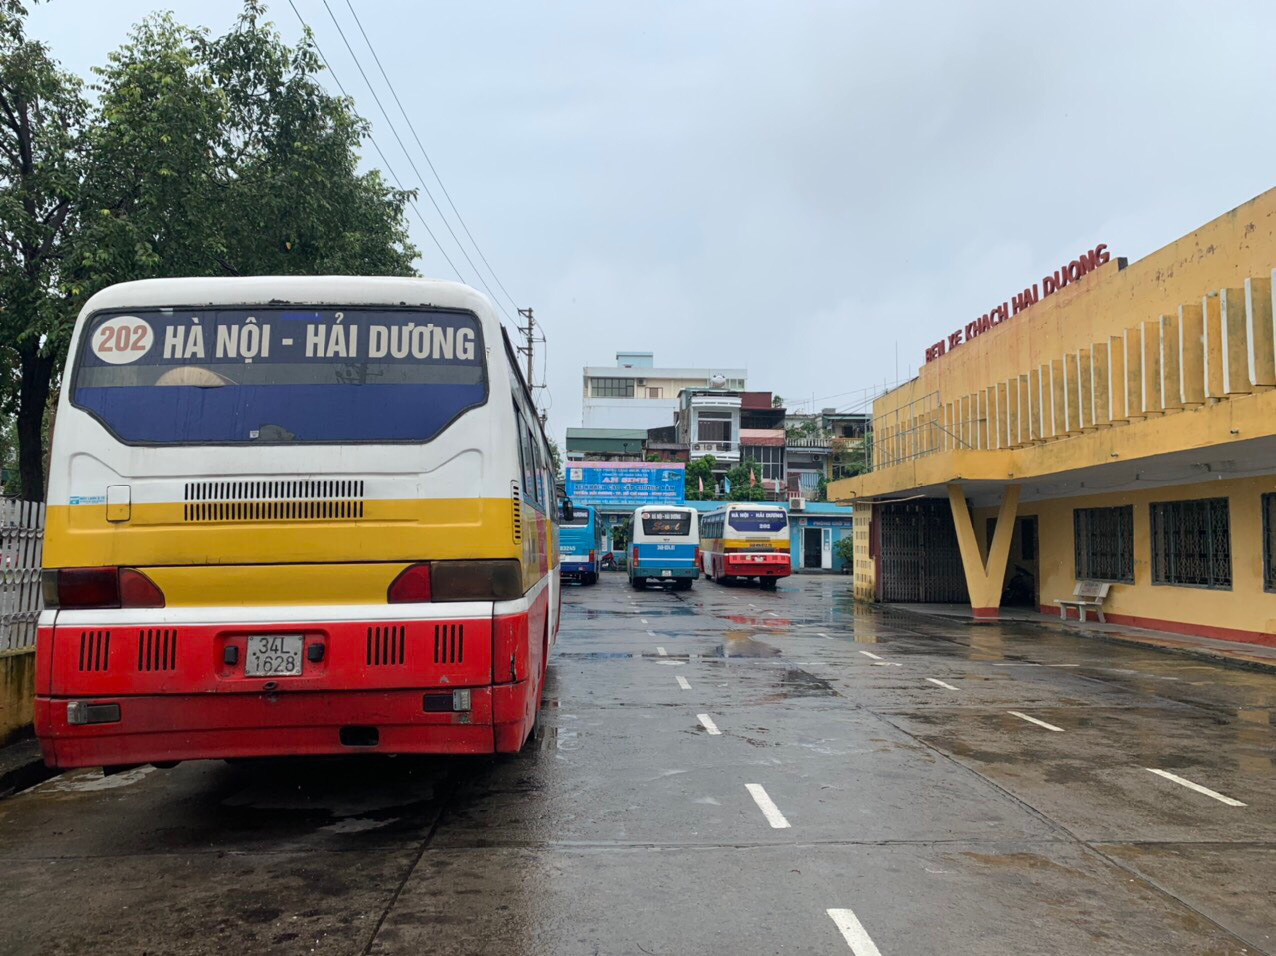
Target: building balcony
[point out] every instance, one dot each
(722, 450)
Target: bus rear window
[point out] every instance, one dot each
(758, 520)
(580, 518)
(666, 523)
(276, 375)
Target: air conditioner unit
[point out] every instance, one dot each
(797, 504)
(642, 381)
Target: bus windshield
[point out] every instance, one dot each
(758, 520)
(666, 523)
(271, 375)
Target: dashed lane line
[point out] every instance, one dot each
(707, 723)
(767, 806)
(823, 635)
(1195, 786)
(1034, 720)
(682, 682)
(854, 933)
(939, 683)
(651, 633)
(661, 651)
(871, 654)
(645, 621)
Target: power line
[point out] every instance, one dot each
(407, 119)
(375, 145)
(411, 162)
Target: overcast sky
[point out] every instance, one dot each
(801, 189)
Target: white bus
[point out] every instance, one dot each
(746, 540)
(665, 546)
(293, 516)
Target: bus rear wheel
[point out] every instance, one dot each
(638, 583)
(682, 584)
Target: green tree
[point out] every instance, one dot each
(701, 470)
(42, 123)
(204, 157)
(746, 481)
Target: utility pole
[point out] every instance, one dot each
(528, 348)
(528, 332)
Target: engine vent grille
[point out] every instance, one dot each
(449, 643)
(328, 500)
(518, 511)
(95, 650)
(157, 649)
(386, 645)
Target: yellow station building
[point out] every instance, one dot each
(1120, 430)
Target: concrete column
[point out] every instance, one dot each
(1171, 374)
(984, 580)
(1234, 325)
(1262, 341)
(1191, 354)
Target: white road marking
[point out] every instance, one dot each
(682, 682)
(1195, 786)
(886, 664)
(825, 636)
(1063, 665)
(707, 722)
(1034, 720)
(939, 683)
(767, 806)
(854, 933)
(661, 651)
(651, 633)
(645, 621)
(870, 654)
(1016, 664)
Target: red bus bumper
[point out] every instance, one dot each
(178, 691)
(758, 565)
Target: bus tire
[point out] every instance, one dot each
(682, 584)
(637, 583)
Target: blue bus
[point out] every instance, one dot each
(666, 546)
(580, 545)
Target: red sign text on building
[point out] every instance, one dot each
(1072, 272)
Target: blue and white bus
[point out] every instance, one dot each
(666, 546)
(580, 545)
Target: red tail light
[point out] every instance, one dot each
(591, 555)
(697, 558)
(635, 556)
(91, 588)
(412, 586)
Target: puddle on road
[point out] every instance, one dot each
(90, 781)
(798, 683)
(743, 646)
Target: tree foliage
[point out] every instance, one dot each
(701, 470)
(204, 156)
(746, 481)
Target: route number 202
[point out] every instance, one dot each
(122, 339)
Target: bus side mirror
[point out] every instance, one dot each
(566, 509)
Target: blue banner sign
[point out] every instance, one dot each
(625, 484)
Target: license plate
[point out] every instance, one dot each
(275, 655)
(666, 574)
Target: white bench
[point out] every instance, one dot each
(1087, 594)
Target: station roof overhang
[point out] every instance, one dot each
(1232, 439)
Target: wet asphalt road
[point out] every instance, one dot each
(718, 771)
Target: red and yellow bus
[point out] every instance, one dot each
(293, 516)
(746, 541)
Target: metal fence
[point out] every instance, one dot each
(21, 541)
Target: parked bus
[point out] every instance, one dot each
(293, 516)
(580, 545)
(665, 546)
(746, 541)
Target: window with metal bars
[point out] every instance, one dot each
(1269, 541)
(1103, 544)
(1192, 543)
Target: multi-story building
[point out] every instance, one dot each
(1118, 425)
(637, 394)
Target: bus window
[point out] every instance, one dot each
(666, 522)
(757, 520)
(239, 375)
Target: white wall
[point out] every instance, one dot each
(628, 412)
